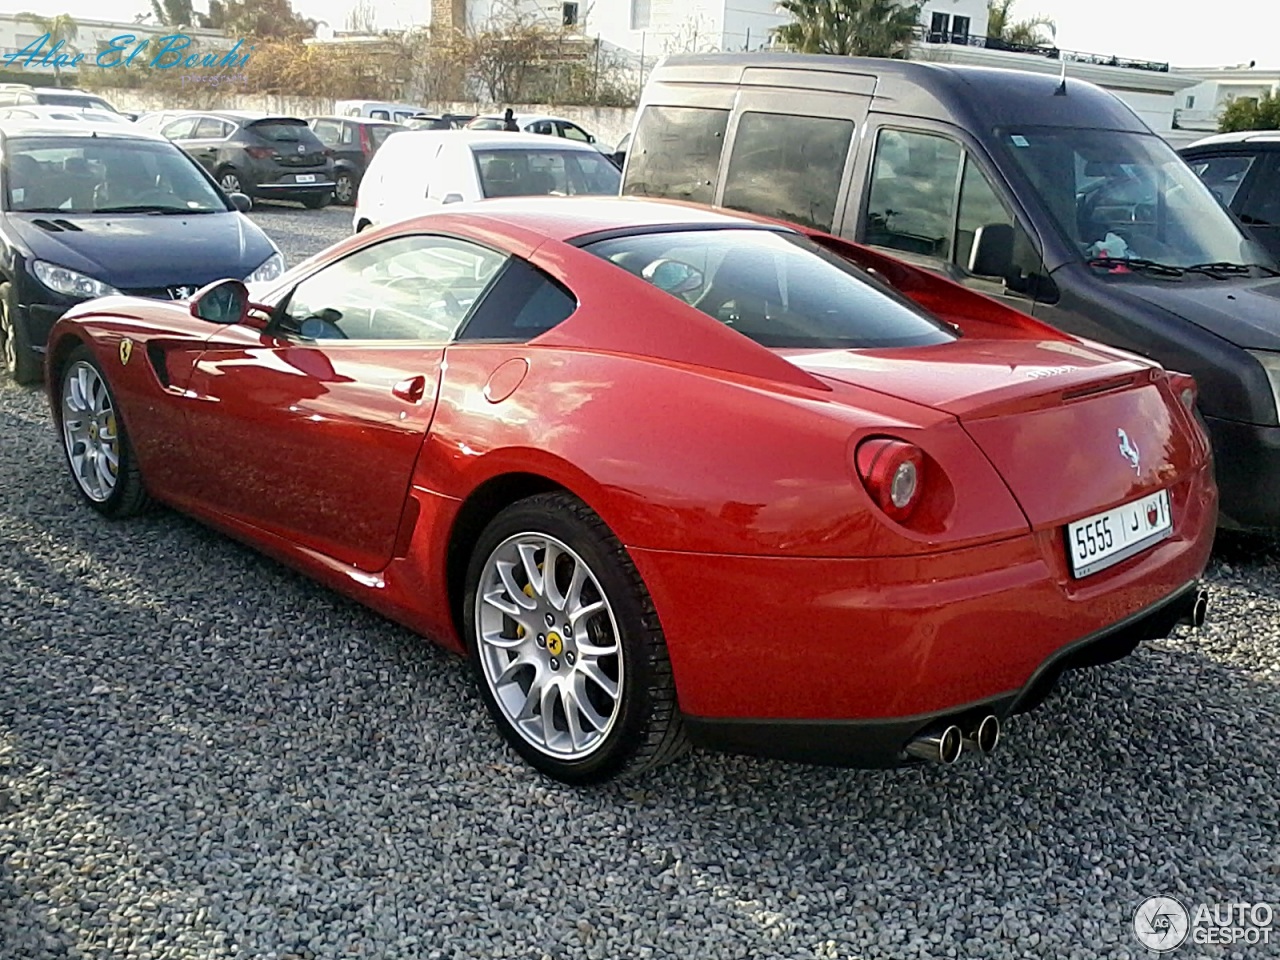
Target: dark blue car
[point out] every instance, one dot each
(87, 211)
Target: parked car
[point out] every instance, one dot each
(432, 121)
(541, 124)
(262, 157)
(17, 95)
(157, 119)
(1062, 204)
(93, 210)
(417, 171)
(504, 461)
(376, 110)
(353, 141)
(74, 114)
(1243, 171)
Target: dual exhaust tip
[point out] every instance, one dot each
(946, 745)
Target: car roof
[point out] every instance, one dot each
(77, 128)
(1242, 136)
(371, 121)
(491, 139)
(567, 218)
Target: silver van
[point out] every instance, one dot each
(1051, 196)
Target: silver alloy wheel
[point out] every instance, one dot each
(344, 189)
(549, 645)
(230, 183)
(90, 431)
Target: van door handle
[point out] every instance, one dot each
(411, 390)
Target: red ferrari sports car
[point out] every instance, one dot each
(667, 474)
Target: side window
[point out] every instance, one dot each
(788, 167)
(523, 303)
(348, 134)
(980, 208)
(327, 131)
(1224, 175)
(990, 242)
(379, 115)
(913, 193)
(676, 153)
(417, 288)
(571, 131)
(210, 128)
(1262, 206)
(181, 129)
(543, 127)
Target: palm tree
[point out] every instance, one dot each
(1023, 33)
(850, 28)
(59, 27)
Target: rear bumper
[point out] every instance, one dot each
(898, 641)
(881, 743)
(1247, 458)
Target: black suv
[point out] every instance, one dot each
(262, 157)
(353, 141)
(1243, 171)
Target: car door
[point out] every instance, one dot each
(1258, 204)
(932, 199)
(310, 429)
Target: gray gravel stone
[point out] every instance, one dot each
(203, 755)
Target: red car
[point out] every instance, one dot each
(667, 474)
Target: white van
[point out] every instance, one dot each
(376, 110)
(418, 171)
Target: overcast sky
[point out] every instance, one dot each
(1221, 33)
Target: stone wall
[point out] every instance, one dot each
(608, 124)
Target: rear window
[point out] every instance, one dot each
(779, 289)
(535, 173)
(283, 131)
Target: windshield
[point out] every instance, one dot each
(103, 175)
(535, 173)
(779, 289)
(1127, 196)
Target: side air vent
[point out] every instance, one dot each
(48, 225)
(156, 354)
(68, 225)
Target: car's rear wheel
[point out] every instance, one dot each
(344, 189)
(229, 180)
(95, 440)
(21, 362)
(567, 646)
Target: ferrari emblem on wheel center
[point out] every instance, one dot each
(126, 350)
(554, 644)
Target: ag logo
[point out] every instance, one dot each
(1161, 924)
(126, 350)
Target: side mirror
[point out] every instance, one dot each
(673, 276)
(590, 138)
(241, 202)
(225, 302)
(992, 252)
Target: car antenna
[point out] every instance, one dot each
(1062, 86)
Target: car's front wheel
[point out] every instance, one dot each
(21, 362)
(567, 646)
(95, 440)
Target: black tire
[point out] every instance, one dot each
(231, 182)
(317, 201)
(648, 731)
(21, 361)
(344, 189)
(129, 496)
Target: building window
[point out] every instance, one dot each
(1191, 102)
(960, 30)
(640, 14)
(569, 14)
(939, 28)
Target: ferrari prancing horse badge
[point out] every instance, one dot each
(126, 350)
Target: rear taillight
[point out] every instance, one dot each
(366, 141)
(893, 473)
(1184, 385)
(260, 153)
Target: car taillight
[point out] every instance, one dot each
(893, 473)
(366, 141)
(260, 153)
(1184, 385)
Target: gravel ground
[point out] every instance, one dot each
(202, 755)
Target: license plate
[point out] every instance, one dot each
(1104, 539)
(306, 178)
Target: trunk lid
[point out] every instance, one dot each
(1061, 422)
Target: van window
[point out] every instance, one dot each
(1224, 174)
(913, 193)
(1262, 208)
(379, 115)
(676, 153)
(979, 207)
(788, 167)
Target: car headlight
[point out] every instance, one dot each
(69, 283)
(1271, 366)
(271, 268)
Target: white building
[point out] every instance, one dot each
(91, 37)
(1200, 105)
